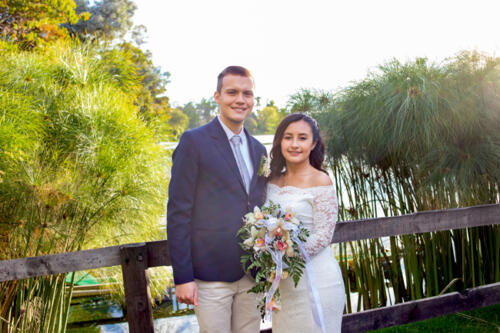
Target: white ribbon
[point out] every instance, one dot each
(314, 299)
(277, 256)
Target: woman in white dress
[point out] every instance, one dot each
(298, 181)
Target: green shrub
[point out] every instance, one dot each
(78, 168)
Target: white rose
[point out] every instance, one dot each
(248, 242)
(249, 218)
(253, 232)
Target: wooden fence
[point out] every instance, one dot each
(135, 259)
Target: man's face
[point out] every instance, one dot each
(235, 99)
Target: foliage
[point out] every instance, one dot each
(109, 19)
(251, 124)
(268, 119)
(177, 122)
(78, 167)
(136, 74)
(200, 113)
(31, 23)
(412, 137)
(189, 109)
(260, 121)
(309, 101)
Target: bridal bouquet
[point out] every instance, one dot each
(273, 240)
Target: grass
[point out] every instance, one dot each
(483, 320)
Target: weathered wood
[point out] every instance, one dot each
(345, 231)
(435, 220)
(158, 254)
(421, 309)
(24, 268)
(134, 261)
(136, 258)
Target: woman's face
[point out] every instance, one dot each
(297, 142)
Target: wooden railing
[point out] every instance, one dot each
(135, 259)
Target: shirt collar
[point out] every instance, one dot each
(230, 133)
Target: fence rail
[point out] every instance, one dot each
(136, 258)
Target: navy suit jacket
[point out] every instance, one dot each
(206, 203)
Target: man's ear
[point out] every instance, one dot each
(217, 97)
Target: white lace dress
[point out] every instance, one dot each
(317, 208)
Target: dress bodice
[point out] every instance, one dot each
(316, 207)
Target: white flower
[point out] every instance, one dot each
(249, 218)
(264, 167)
(257, 214)
(253, 232)
(248, 242)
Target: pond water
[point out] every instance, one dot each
(184, 324)
(104, 315)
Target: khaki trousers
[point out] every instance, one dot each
(226, 307)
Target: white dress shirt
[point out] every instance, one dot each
(245, 151)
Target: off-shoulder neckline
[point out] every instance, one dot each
(300, 188)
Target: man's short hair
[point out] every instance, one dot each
(234, 70)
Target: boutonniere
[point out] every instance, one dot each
(264, 167)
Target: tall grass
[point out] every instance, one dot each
(414, 137)
(78, 168)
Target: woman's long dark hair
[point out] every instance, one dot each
(317, 155)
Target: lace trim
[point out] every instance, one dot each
(324, 215)
(290, 188)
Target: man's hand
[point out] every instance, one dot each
(187, 293)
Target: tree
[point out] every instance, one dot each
(268, 119)
(190, 111)
(138, 76)
(108, 20)
(178, 122)
(309, 101)
(251, 124)
(30, 23)
(207, 108)
(200, 113)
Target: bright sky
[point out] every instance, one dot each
(293, 44)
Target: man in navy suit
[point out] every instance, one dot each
(214, 183)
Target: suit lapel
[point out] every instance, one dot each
(223, 146)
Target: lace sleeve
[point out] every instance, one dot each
(325, 211)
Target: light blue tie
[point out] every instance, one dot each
(245, 175)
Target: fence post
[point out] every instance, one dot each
(134, 261)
